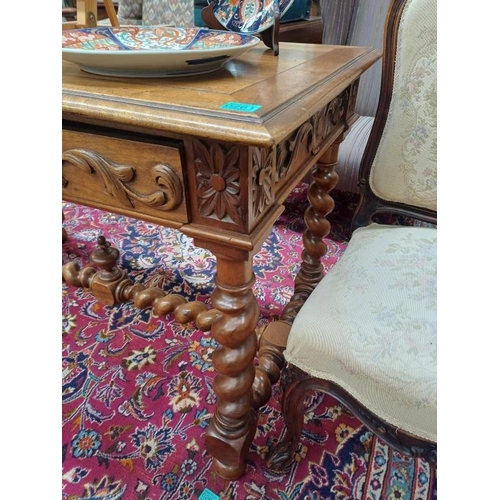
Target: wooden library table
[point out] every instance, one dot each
(179, 152)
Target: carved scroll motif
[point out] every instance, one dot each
(117, 176)
(310, 135)
(262, 175)
(353, 94)
(289, 149)
(218, 181)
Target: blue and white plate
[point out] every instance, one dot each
(248, 16)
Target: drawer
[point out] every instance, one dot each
(138, 176)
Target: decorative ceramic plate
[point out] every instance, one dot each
(248, 16)
(154, 51)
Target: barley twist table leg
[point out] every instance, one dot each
(232, 427)
(320, 204)
(272, 342)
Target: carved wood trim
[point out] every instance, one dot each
(218, 181)
(311, 134)
(297, 384)
(263, 193)
(116, 178)
(325, 120)
(352, 97)
(218, 168)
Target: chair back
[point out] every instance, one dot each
(398, 171)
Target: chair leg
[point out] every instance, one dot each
(295, 386)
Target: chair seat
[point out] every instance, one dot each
(371, 326)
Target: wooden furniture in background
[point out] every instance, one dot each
(87, 13)
(103, 9)
(215, 156)
(305, 31)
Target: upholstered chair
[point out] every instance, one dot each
(367, 334)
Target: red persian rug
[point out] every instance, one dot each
(137, 389)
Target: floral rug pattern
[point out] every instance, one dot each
(137, 389)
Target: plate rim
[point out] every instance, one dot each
(158, 62)
(253, 41)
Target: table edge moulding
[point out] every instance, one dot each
(178, 152)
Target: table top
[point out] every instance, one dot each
(289, 88)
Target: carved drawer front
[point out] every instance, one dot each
(139, 178)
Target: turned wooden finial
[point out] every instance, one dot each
(110, 285)
(105, 257)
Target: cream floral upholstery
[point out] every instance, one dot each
(405, 167)
(370, 325)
